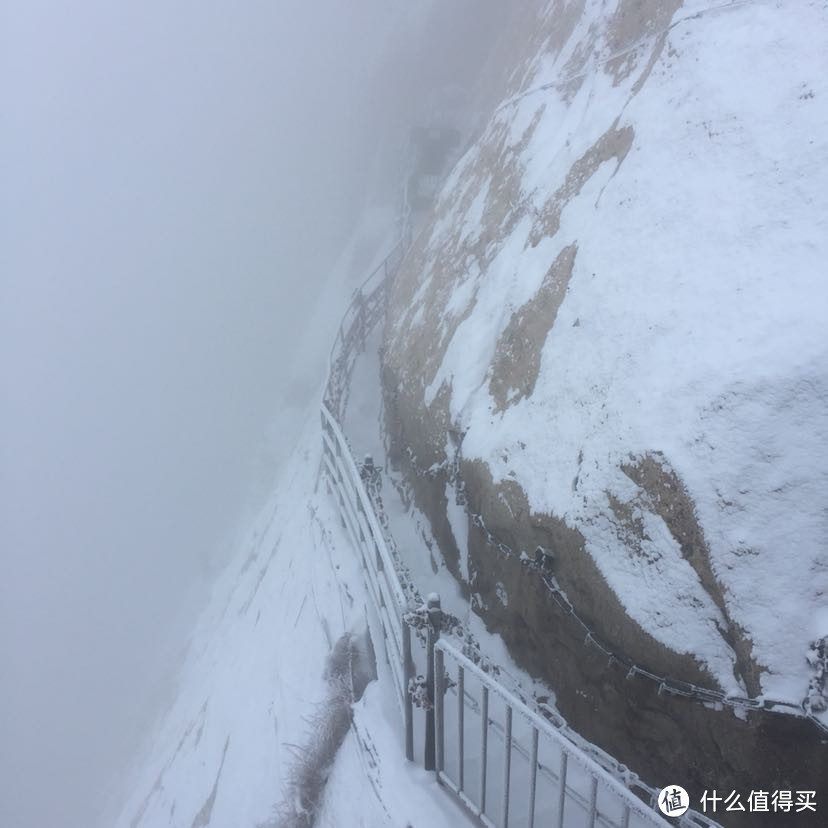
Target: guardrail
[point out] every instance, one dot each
(504, 762)
(367, 306)
(360, 522)
(541, 777)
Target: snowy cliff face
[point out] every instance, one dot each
(610, 339)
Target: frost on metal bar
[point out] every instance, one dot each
(518, 769)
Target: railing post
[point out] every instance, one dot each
(484, 746)
(435, 620)
(625, 820)
(408, 704)
(507, 766)
(461, 704)
(562, 791)
(439, 711)
(533, 777)
(593, 802)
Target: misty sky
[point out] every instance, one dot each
(177, 180)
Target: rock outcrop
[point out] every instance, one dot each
(607, 341)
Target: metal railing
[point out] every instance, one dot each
(505, 763)
(538, 777)
(360, 521)
(367, 307)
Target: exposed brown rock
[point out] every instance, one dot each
(614, 143)
(636, 27)
(497, 165)
(518, 353)
(507, 515)
(664, 494)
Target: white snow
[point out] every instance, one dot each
(253, 677)
(459, 522)
(694, 325)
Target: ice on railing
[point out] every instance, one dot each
(547, 780)
(361, 523)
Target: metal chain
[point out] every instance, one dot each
(812, 704)
(665, 684)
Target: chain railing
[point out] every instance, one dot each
(504, 762)
(665, 684)
(614, 656)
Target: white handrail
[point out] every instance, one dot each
(368, 510)
(627, 798)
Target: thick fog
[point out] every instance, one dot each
(178, 181)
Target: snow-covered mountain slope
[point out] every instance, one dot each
(626, 276)
(613, 328)
(252, 691)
